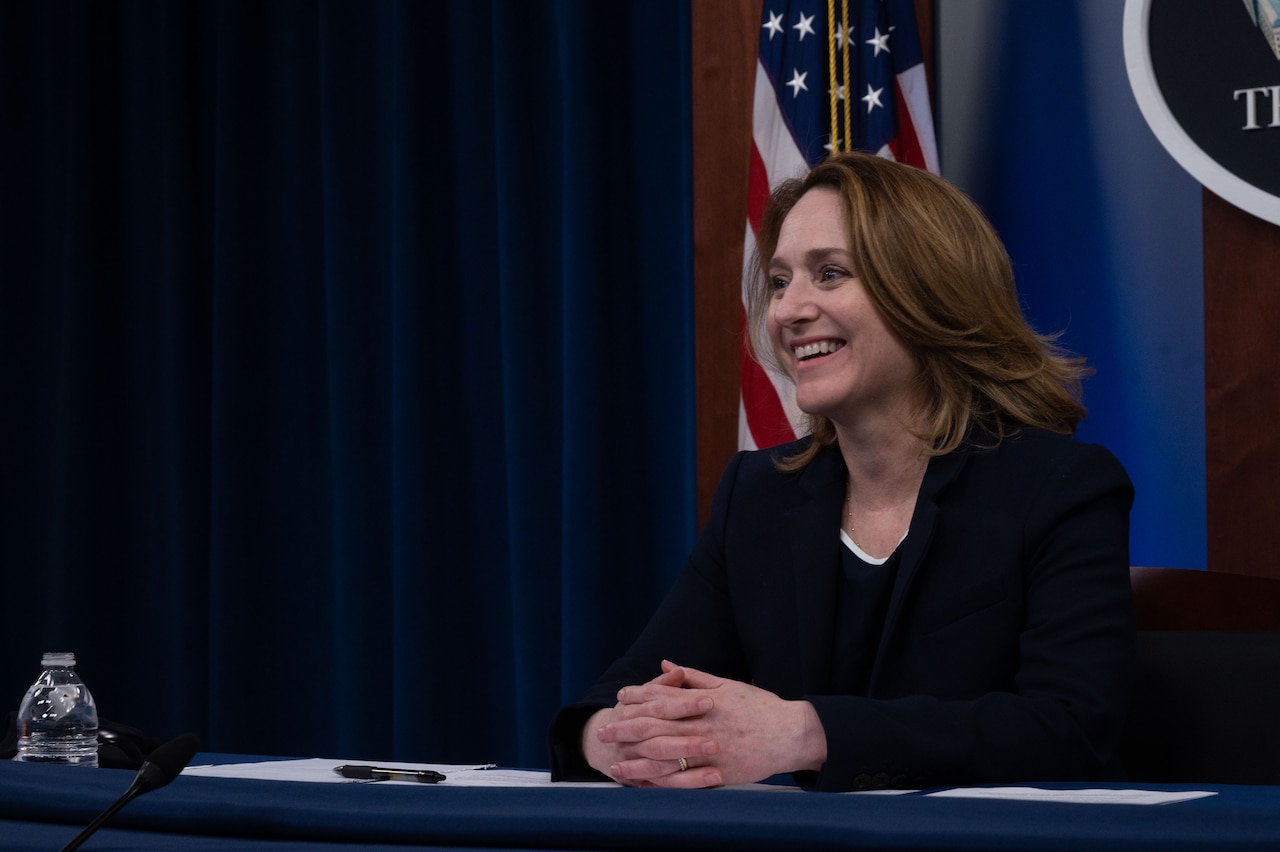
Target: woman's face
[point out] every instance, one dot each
(828, 336)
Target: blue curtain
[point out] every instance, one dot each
(346, 351)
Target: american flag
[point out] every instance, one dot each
(881, 106)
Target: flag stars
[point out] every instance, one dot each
(805, 26)
(881, 42)
(797, 82)
(843, 38)
(774, 26)
(872, 99)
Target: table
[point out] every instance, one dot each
(43, 807)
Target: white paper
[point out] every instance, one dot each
(320, 770)
(1079, 797)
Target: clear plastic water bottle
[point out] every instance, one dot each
(58, 720)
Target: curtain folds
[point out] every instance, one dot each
(347, 351)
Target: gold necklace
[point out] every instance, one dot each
(848, 501)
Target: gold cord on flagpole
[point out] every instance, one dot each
(831, 74)
(839, 41)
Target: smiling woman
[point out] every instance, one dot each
(827, 334)
(933, 587)
(935, 270)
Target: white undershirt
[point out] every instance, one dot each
(862, 554)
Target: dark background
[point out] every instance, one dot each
(346, 356)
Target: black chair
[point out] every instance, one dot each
(1206, 699)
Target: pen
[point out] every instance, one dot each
(378, 773)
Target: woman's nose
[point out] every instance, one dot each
(793, 304)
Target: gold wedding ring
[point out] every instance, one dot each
(684, 764)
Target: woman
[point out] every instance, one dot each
(931, 588)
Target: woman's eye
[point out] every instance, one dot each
(778, 283)
(831, 273)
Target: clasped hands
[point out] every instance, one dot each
(726, 731)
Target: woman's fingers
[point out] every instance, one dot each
(658, 738)
(691, 678)
(666, 773)
(695, 778)
(635, 702)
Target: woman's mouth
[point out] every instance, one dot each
(809, 351)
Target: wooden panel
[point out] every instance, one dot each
(724, 35)
(1242, 389)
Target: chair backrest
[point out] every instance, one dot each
(1206, 700)
(1180, 599)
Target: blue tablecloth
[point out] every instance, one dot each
(43, 807)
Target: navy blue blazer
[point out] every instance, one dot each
(1007, 648)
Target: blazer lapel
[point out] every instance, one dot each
(812, 526)
(941, 471)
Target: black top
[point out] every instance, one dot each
(861, 602)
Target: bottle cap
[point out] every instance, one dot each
(58, 658)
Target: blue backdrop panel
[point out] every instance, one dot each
(1039, 125)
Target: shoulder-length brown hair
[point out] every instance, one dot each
(941, 279)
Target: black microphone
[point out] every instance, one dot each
(162, 766)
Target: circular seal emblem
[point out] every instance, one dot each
(1206, 75)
